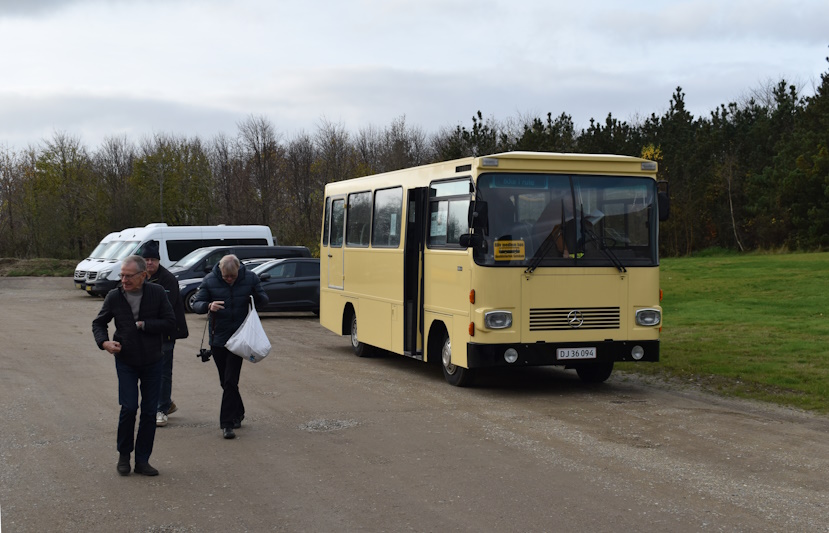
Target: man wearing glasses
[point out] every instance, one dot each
(143, 318)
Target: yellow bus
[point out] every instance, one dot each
(507, 260)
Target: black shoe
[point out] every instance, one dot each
(146, 469)
(237, 422)
(124, 464)
(228, 433)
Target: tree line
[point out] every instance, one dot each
(750, 175)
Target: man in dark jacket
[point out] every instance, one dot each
(225, 293)
(143, 317)
(161, 276)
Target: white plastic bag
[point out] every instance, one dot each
(250, 341)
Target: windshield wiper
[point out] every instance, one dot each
(547, 244)
(545, 247)
(602, 242)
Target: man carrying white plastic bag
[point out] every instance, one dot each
(250, 342)
(226, 293)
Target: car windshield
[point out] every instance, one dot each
(190, 259)
(258, 269)
(563, 220)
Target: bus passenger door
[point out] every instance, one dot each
(335, 248)
(413, 273)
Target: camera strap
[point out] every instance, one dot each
(205, 330)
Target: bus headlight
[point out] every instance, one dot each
(511, 355)
(498, 319)
(648, 317)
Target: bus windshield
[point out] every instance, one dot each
(568, 220)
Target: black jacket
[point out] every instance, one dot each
(138, 347)
(236, 299)
(164, 278)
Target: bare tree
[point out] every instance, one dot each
(305, 190)
(263, 156)
(336, 154)
(112, 165)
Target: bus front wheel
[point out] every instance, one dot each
(455, 375)
(595, 372)
(360, 349)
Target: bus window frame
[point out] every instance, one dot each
(469, 197)
(374, 218)
(370, 204)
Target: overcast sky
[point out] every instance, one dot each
(93, 68)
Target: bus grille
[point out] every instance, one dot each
(570, 319)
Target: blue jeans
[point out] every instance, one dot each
(164, 400)
(130, 379)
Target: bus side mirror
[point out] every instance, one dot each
(472, 240)
(478, 214)
(663, 201)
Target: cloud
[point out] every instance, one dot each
(92, 118)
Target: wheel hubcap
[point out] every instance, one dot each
(446, 356)
(354, 341)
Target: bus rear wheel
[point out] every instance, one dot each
(595, 372)
(454, 375)
(360, 349)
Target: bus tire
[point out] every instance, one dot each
(360, 349)
(595, 372)
(454, 375)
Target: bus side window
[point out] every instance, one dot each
(388, 209)
(326, 219)
(337, 222)
(358, 222)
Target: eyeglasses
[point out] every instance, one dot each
(125, 276)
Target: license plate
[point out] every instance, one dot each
(576, 353)
(89, 288)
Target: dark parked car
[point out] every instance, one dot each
(291, 284)
(197, 264)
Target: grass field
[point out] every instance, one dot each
(755, 326)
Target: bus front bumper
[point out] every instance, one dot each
(544, 353)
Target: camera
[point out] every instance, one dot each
(205, 355)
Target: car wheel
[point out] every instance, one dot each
(189, 300)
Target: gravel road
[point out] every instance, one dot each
(333, 442)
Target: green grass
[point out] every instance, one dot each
(37, 267)
(754, 326)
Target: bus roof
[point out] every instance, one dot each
(511, 162)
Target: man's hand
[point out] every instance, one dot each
(112, 347)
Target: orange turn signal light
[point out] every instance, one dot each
(471, 329)
(472, 296)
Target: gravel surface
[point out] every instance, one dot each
(332, 442)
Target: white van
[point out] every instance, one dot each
(174, 242)
(97, 255)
